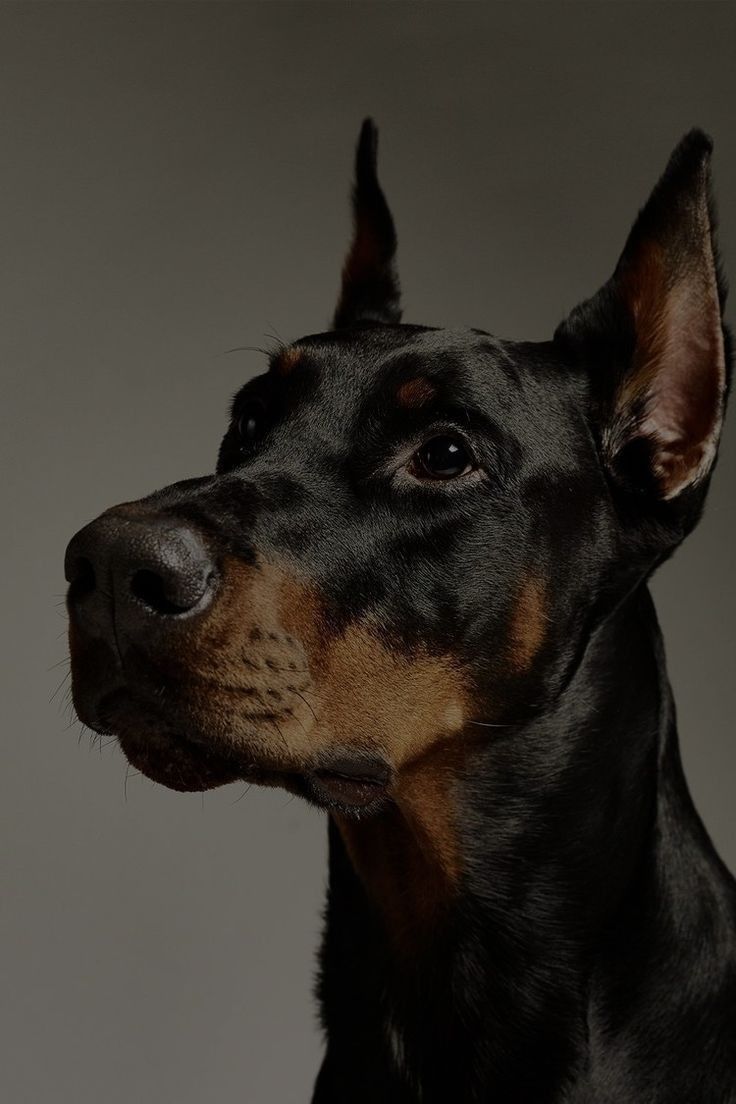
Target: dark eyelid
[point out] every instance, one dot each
(248, 398)
(442, 428)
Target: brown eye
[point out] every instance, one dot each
(251, 421)
(445, 457)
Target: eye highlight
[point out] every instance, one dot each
(443, 457)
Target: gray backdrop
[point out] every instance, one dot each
(173, 184)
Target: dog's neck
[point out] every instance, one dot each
(489, 932)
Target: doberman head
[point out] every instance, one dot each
(411, 532)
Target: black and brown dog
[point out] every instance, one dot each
(414, 592)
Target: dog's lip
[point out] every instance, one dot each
(369, 770)
(174, 754)
(124, 699)
(349, 783)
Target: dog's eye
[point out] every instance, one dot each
(444, 457)
(251, 421)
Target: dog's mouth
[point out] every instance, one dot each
(349, 782)
(160, 749)
(356, 784)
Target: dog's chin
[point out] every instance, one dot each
(173, 761)
(167, 752)
(345, 784)
(181, 764)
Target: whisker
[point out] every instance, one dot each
(60, 662)
(301, 723)
(487, 724)
(281, 735)
(58, 688)
(274, 335)
(300, 695)
(242, 349)
(245, 791)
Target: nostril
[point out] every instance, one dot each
(151, 589)
(170, 595)
(81, 578)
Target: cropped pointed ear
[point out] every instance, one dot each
(370, 287)
(653, 338)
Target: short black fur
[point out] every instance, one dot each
(578, 946)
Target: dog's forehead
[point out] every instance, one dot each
(399, 365)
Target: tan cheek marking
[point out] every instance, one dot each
(240, 661)
(368, 693)
(346, 688)
(415, 392)
(410, 708)
(528, 624)
(405, 700)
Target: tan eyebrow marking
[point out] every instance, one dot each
(287, 361)
(415, 392)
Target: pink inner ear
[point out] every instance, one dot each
(679, 372)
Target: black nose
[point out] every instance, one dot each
(138, 567)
